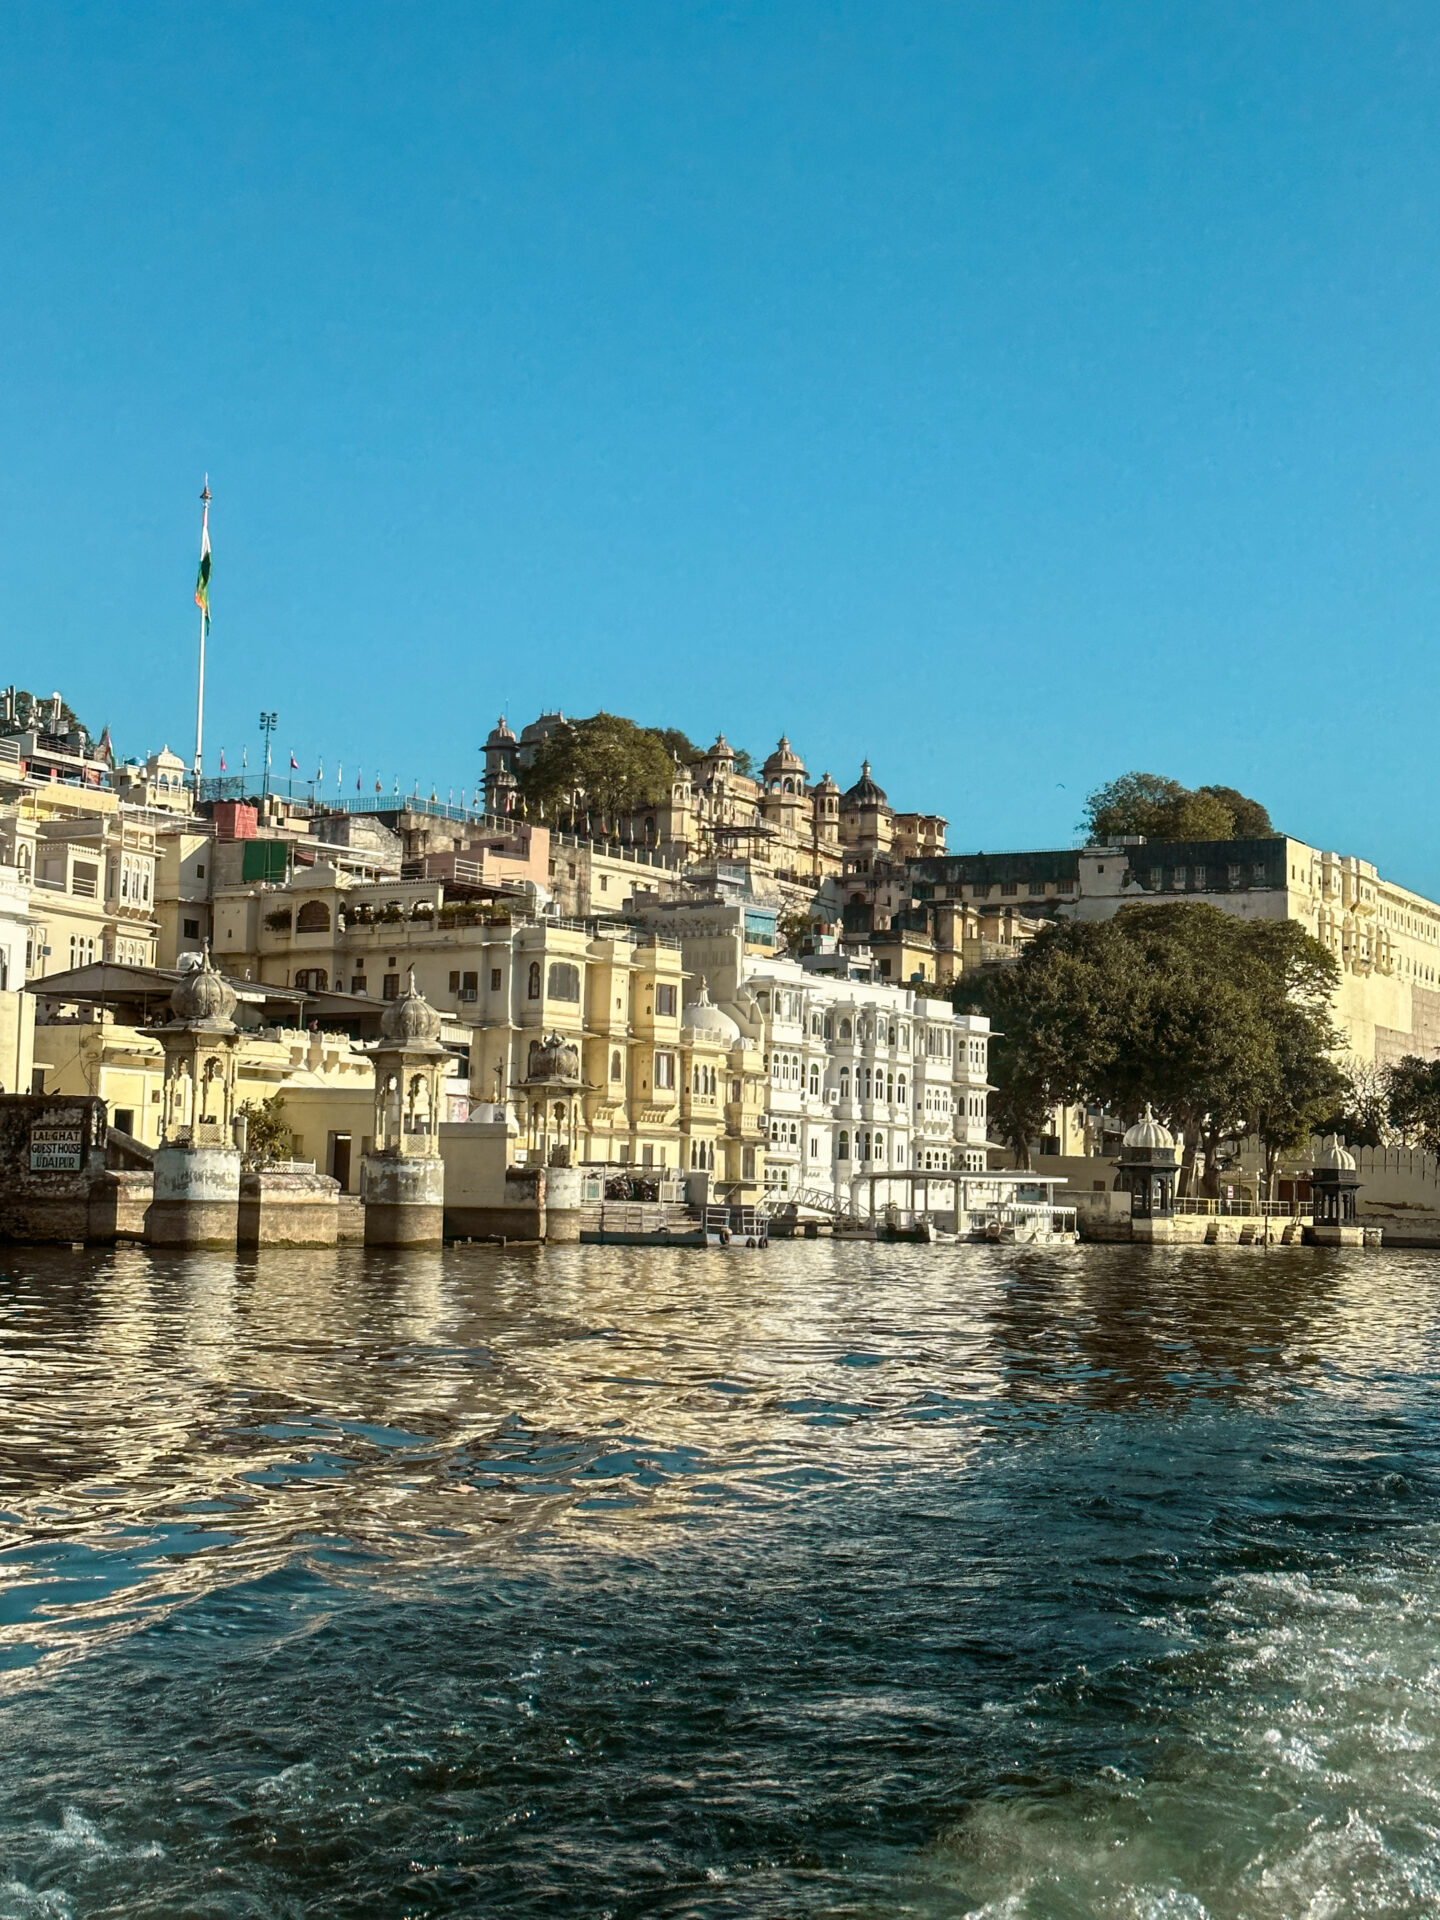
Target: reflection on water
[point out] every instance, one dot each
(842, 1580)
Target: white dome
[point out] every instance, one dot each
(1148, 1135)
(702, 1016)
(1333, 1158)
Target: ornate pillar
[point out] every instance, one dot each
(197, 1165)
(404, 1176)
(1149, 1160)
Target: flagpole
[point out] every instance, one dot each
(204, 623)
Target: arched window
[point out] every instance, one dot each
(844, 1029)
(900, 1088)
(615, 1071)
(313, 917)
(844, 1083)
(842, 1148)
(564, 982)
(814, 1077)
(533, 988)
(311, 979)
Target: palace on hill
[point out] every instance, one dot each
(748, 987)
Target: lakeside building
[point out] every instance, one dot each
(1385, 937)
(792, 832)
(862, 1075)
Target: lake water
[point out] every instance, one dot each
(838, 1580)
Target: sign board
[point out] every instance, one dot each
(57, 1144)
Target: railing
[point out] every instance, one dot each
(1253, 1209)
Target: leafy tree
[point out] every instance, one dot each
(677, 743)
(268, 1134)
(792, 928)
(1251, 820)
(1361, 1114)
(1221, 1024)
(745, 763)
(1413, 1102)
(1236, 1028)
(1055, 1014)
(604, 765)
(1161, 809)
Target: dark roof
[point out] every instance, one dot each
(865, 793)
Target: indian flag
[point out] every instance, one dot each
(202, 578)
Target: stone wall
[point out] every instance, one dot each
(52, 1154)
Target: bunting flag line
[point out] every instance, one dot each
(222, 759)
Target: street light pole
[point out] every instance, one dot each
(267, 727)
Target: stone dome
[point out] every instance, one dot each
(1148, 1135)
(865, 793)
(500, 734)
(784, 759)
(703, 1017)
(553, 1061)
(410, 1021)
(1332, 1157)
(204, 997)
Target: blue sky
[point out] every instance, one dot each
(1013, 393)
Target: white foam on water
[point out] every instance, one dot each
(1296, 1776)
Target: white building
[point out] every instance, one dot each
(863, 1078)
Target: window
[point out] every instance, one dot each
(85, 879)
(313, 917)
(494, 979)
(664, 999)
(842, 1148)
(190, 929)
(844, 1029)
(814, 1078)
(1010, 886)
(200, 870)
(359, 984)
(564, 983)
(454, 983)
(313, 979)
(664, 1070)
(616, 1071)
(533, 988)
(390, 987)
(1201, 876)
(747, 1163)
(844, 1083)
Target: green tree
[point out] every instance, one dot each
(745, 763)
(605, 765)
(268, 1134)
(1056, 1015)
(1413, 1102)
(1235, 1026)
(1161, 809)
(1251, 819)
(677, 743)
(1361, 1114)
(791, 929)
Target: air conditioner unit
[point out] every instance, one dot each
(833, 1096)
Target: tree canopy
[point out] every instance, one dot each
(604, 765)
(1413, 1101)
(1161, 809)
(1222, 1025)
